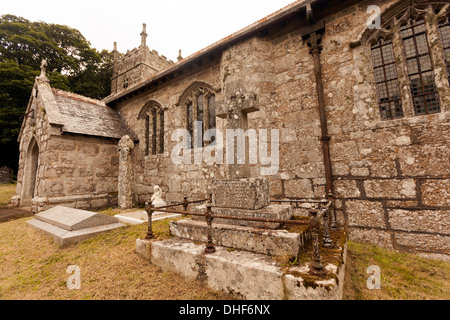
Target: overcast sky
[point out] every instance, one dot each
(189, 25)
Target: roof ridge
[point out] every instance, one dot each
(78, 97)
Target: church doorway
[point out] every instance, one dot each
(30, 173)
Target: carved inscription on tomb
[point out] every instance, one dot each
(241, 193)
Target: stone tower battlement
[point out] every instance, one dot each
(136, 65)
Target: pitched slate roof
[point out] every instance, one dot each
(82, 115)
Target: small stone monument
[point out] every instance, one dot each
(126, 146)
(240, 195)
(140, 217)
(156, 199)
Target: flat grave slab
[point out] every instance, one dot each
(68, 225)
(74, 219)
(279, 212)
(140, 217)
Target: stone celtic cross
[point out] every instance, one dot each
(235, 109)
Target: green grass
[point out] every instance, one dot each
(403, 276)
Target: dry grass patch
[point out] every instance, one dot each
(32, 267)
(403, 276)
(7, 191)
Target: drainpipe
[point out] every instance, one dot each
(312, 35)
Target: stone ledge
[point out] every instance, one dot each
(274, 211)
(270, 242)
(248, 275)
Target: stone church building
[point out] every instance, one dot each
(362, 112)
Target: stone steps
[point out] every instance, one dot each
(263, 241)
(249, 275)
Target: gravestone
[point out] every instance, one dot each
(235, 110)
(248, 193)
(240, 195)
(68, 225)
(6, 175)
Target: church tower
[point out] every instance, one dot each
(136, 65)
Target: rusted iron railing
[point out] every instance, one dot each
(318, 217)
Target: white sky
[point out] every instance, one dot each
(189, 25)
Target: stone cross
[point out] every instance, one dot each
(235, 110)
(126, 146)
(44, 66)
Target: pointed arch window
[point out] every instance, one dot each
(153, 116)
(200, 112)
(404, 60)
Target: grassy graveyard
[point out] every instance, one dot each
(32, 267)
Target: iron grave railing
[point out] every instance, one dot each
(320, 222)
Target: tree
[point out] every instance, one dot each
(72, 66)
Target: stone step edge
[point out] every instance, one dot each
(63, 237)
(270, 242)
(248, 275)
(273, 211)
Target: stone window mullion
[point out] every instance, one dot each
(206, 112)
(206, 115)
(403, 79)
(194, 119)
(440, 66)
(154, 127)
(147, 134)
(161, 127)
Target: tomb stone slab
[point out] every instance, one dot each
(74, 219)
(63, 237)
(269, 242)
(278, 212)
(68, 225)
(250, 194)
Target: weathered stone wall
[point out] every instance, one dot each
(175, 180)
(391, 177)
(83, 168)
